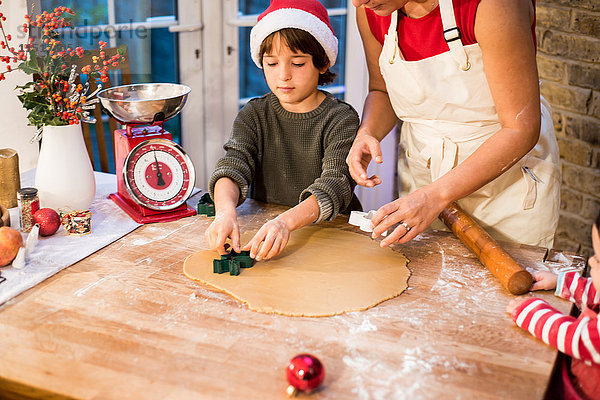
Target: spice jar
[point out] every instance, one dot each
(29, 203)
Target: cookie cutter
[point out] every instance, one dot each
(232, 262)
(363, 220)
(206, 206)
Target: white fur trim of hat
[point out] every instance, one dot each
(293, 18)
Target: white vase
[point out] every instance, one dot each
(64, 175)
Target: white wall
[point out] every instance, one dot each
(14, 132)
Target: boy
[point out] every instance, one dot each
(289, 146)
(577, 337)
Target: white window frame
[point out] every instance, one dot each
(203, 138)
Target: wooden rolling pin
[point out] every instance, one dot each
(512, 276)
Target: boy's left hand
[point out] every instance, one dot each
(515, 303)
(269, 241)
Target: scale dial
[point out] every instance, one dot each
(158, 174)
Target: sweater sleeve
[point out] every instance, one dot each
(578, 338)
(239, 163)
(334, 188)
(573, 287)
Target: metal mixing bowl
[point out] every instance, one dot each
(144, 103)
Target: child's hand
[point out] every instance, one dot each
(515, 303)
(224, 226)
(269, 241)
(544, 280)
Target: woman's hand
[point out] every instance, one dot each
(413, 213)
(224, 226)
(544, 280)
(364, 148)
(515, 303)
(269, 241)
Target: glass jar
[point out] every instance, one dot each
(29, 203)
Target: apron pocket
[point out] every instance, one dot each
(540, 176)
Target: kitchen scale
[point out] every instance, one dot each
(155, 176)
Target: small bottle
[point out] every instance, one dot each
(29, 203)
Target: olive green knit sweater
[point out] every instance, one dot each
(281, 157)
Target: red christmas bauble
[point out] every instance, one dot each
(48, 219)
(305, 372)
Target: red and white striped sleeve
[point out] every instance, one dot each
(571, 286)
(579, 338)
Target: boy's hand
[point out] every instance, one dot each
(515, 303)
(224, 226)
(544, 280)
(269, 241)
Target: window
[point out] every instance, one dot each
(142, 25)
(251, 80)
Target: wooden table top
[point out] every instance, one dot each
(125, 323)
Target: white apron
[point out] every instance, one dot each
(447, 111)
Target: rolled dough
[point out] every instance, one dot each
(321, 272)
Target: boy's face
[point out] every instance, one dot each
(292, 77)
(594, 260)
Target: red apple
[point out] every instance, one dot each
(10, 242)
(48, 219)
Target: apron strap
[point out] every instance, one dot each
(392, 31)
(452, 35)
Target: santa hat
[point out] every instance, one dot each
(308, 15)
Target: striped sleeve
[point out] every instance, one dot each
(579, 338)
(571, 286)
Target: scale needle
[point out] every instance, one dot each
(160, 181)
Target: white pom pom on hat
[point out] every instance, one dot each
(309, 15)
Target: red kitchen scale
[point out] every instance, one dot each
(155, 176)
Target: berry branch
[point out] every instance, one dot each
(53, 96)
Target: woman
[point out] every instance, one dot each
(462, 77)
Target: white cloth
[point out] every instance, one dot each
(54, 253)
(448, 111)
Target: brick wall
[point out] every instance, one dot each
(568, 33)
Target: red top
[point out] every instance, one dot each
(428, 30)
(577, 337)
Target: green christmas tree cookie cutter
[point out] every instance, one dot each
(232, 262)
(206, 206)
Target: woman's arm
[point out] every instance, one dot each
(503, 31)
(378, 117)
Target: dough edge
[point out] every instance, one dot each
(274, 311)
